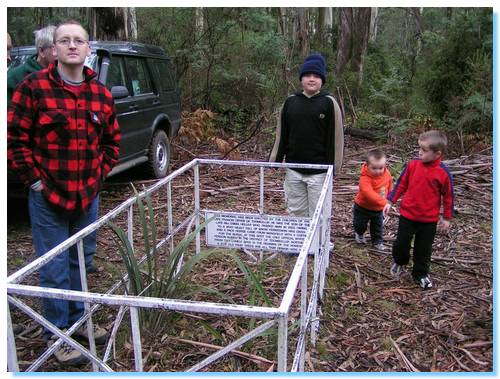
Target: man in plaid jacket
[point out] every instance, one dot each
(63, 140)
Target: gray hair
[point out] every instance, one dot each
(44, 37)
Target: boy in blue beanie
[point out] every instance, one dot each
(310, 130)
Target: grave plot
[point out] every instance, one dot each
(269, 271)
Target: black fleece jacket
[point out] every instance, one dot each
(307, 131)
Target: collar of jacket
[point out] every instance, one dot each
(434, 163)
(88, 74)
(320, 93)
(32, 63)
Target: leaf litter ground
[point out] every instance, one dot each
(369, 322)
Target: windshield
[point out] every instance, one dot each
(20, 57)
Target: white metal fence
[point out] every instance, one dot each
(314, 243)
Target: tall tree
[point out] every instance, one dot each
(354, 32)
(325, 23)
(374, 24)
(111, 23)
(302, 32)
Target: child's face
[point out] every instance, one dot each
(311, 83)
(425, 153)
(376, 166)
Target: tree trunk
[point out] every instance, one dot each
(199, 21)
(324, 25)
(132, 23)
(362, 17)
(374, 24)
(344, 47)
(320, 32)
(109, 23)
(284, 29)
(303, 32)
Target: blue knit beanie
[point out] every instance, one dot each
(314, 63)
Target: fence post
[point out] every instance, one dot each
(196, 170)
(282, 342)
(261, 197)
(169, 215)
(12, 365)
(136, 337)
(130, 225)
(85, 288)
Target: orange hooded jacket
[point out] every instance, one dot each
(373, 190)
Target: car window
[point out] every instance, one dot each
(138, 75)
(116, 75)
(164, 71)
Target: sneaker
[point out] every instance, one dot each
(425, 282)
(91, 268)
(66, 354)
(100, 334)
(396, 269)
(359, 238)
(379, 246)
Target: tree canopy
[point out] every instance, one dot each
(390, 67)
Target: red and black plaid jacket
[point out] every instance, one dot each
(68, 142)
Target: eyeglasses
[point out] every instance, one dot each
(67, 41)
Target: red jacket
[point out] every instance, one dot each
(70, 142)
(373, 190)
(425, 186)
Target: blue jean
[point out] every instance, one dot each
(50, 229)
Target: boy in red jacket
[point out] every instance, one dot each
(375, 183)
(426, 184)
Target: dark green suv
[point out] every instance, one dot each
(142, 80)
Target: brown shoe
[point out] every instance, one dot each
(100, 334)
(67, 354)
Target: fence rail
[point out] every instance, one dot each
(318, 232)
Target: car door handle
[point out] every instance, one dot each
(133, 107)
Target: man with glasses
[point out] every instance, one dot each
(63, 140)
(44, 56)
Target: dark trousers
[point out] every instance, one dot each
(361, 217)
(424, 233)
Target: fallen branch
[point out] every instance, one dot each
(405, 360)
(251, 357)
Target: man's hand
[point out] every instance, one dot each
(37, 186)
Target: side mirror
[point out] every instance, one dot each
(119, 92)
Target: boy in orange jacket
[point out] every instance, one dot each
(375, 183)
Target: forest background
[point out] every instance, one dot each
(393, 69)
(396, 72)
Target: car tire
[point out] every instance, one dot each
(159, 154)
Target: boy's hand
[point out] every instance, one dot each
(443, 225)
(386, 210)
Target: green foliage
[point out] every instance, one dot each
(230, 66)
(457, 63)
(170, 278)
(239, 63)
(159, 279)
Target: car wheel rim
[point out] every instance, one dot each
(161, 156)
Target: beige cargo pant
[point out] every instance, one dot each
(302, 192)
